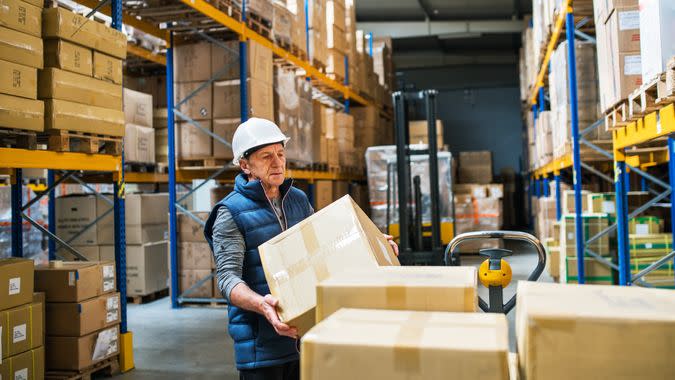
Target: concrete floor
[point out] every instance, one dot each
(193, 342)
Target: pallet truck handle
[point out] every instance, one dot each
(451, 256)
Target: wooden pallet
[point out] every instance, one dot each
(162, 168)
(139, 300)
(108, 368)
(643, 100)
(336, 77)
(259, 25)
(18, 138)
(140, 167)
(206, 162)
(617, 116)
(83, 142)
(666, 85)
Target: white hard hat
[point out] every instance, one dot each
(255, 132)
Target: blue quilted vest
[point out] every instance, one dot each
(256, 344)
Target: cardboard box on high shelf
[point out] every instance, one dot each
(68, 56)
(22, 17)
(406, 344)
(399, 288)
(561, 324)
(226, 99)
(138, 108)
(193, 255)
(335, 63)
(194, 61)
(335, 39)
(147, 268)
(658, 45)
(107, 68)
(418, 131)
(193, 143)
(139, 144)
(309, 252)
(224, 128)
(77, 353)
(260, 65)
(21, 113)
(25, 326)
(189, 230)
(66, 115)
(28, 365)
(21, 48)
(75, 281)
(22, 82)
(82, 318)
(335, 14)
(64, 24)
(323, 193)
(200, 106)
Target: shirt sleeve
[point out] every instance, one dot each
(228, 250)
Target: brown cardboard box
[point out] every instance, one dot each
(336, 238)
(645, 225)
(193, 255)
(59, 84)
(16, 282)
(226, 99)
(190, 277)
(192, 62)
(406, 345)
(161, 145)
(335, 14)
(20, 48)
(68, 56)
(475, 167)
(594, 271)
(75, 281)
(335, 39)
(189, 230)
(200, 106)
(561, 324)
(76, 353)
(282, 24)
(82, 318)
(108, 68)
(323, 194)
(593, 224)
(335, 63)
(138, 108)
(28, 365)
(19, 80)
(193, 143)
(66, 115)
(260, 65)
(399, 288)
(333, 155)
(62, 23)
(418, 132)
(138, 204)
(224, 128)
(553, 262)
(73, 213)
(139, 144)
(147, 268)
(568, 201)
(21, 113)
(24, 324)
(22, 17)
(90, 252)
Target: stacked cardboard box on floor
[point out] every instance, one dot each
(22, 318)
(595, 272)
(546, 218)
(139, 139)
(478, 208)
(21, 55)
(82, 313)
(574, 332)
(647, 249)
(82, 79)
(295, 116)
(195, 260)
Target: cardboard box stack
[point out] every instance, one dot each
(336, 43)
(21, 55)
(81, 82)
(216, 107)
(557, 325)
(22, 317)
(544, 138)
(195, 260)
(596, 273)
(383, 63)
(295, 116)
(139, 139)
(160, 123)
(82, 313)
(418, 131)
(282, 24)
(657, 18)
(317, 30)
(478, 208)
(298, 23)
(645, 249)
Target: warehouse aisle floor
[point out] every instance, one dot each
(193, 342)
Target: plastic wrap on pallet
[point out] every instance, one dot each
(34, 242)
(294, 115)
(379, 158)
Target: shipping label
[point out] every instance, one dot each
(641, 229)
(632, 65)
(21, 374)
(629, 20)
(19, 333)
(108, 278)
(71, 278)
(106, 344)
(14, 286)
(112, 306)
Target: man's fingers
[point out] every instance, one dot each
(271, 300)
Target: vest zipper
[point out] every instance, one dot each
(283, 228)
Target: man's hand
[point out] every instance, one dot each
(268, 309)
(391, 241)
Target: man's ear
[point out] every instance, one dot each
(243, 164)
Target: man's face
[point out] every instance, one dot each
(266, 164)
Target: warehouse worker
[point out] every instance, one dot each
(262, 205)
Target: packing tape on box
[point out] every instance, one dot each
(407, 354)
(396, 296)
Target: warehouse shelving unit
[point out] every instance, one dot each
(653, 126)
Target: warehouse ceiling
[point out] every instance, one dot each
(447, 32)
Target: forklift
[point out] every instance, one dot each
(420, 243)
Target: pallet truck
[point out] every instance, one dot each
(495, 273)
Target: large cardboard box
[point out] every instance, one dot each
(193, 255)
(19, 80)
(76, 353)
(226, 62)
(568, 201)
(142, 226)
(657, 18)
(90, 252)
(224, 128)
(82, 318)
(28, 365)
(594, 271)
(475, 167)
(386, 344)
(59, 84)
(64, 24)
(73, 213)
(65, 115)
(107, 68)
(68, 56)
(645, 225)
(419, 132)
(138, 108)
(20, 48)
(602, 203)
(190, 277)
(200, 106)
(21, 328)
(399, 288)
(335, 14)
(592, 224)
(16, 282)
(75, 281)
(22, 113)
(147, 268)
(323, 194)
(561, 325)
(192, 62)
(193, 143)
(227, 99)
(189, 230)
(337, 238)
(22, 17)
(139, 144)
